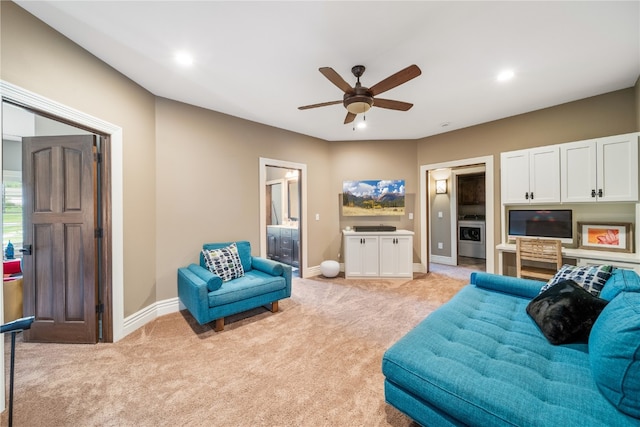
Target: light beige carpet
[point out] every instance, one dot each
(317, 362)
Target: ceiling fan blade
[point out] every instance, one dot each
(396, 79)
(335, 78)
(350, 117)
(391, 104)
(322, 104)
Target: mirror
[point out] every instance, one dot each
(293, 197)
(283, 196)
(275, 216)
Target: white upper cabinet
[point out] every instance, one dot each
(531, 176)
(600, 170)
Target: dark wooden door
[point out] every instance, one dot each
(59, 225)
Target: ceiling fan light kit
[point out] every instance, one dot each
(357, 106)
(359, 99)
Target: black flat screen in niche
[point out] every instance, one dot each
(554, 223)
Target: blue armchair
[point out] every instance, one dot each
(209, 298)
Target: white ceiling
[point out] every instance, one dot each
(259, 60)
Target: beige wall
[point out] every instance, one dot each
(208, 189)
(191, 175)
(41, 60)
(355, 160)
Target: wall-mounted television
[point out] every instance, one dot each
(374, 197)
(551, 224)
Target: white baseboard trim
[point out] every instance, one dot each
(150, 313)
(312, 271)
(447, 260)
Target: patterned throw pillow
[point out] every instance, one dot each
(590, 277)
(224, 262)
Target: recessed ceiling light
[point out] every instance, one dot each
(184, 58)
(505, 75)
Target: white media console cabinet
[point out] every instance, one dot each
(384, 254)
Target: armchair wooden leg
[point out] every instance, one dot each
(219, 325)
(274, 307)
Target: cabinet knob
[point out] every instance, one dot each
(526, 195)
(593, 193)
(532, 195)
(600, 192)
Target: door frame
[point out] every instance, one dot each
(425, 207)
(113, 193)
(264, 162)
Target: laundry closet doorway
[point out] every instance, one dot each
(428, 174)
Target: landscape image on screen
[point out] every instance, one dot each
(373, 197)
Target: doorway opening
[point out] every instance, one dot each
(470, 210)
(79, 291)
(283, 213)
(283, 216)
(440, 213)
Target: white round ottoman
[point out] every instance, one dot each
(329, 268)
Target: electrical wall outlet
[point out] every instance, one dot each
(440, 245)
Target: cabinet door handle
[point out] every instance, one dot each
(532, 195)
(526, 195)
(593, 193)
(600, 192)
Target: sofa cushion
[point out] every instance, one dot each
(224, 262)
(565, 312)
(614, 348)
(590, 277)
(622, 280)
(253, 283)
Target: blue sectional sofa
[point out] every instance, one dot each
(481, 360)
(209, 298)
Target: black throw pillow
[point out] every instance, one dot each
(565, 312)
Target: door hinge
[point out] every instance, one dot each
(100, 308)
(98, 233)
(97, 157)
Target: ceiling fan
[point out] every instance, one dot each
(360, 99)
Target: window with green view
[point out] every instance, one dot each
(12, 210)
